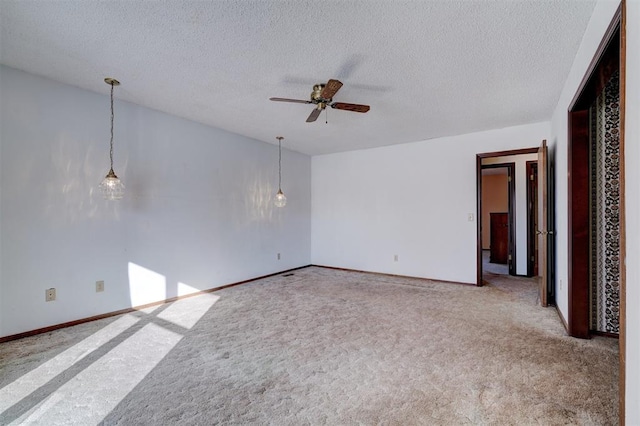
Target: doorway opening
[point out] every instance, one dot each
(529, 241)
(595, 196)
(497, 218)
(584, 118)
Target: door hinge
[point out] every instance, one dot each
(530, 177)
(533, 258)
(509, 178)
(509, 257)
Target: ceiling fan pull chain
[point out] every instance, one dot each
(326, 116)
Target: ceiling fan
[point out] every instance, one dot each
(322, 96)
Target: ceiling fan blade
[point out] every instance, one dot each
(314, 115)
(350, 107)
(297, 101)
(330, 89)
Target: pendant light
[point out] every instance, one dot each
(111, 187)
(280, 200)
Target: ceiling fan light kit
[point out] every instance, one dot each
(111, 187)
(322, 96)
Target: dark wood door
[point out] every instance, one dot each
(499, 240)
(543, 232)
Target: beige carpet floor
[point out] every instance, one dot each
(493, 268)
(317, 347)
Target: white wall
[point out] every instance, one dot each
(632, 212)
(520, 202)
(197, 211)
(412, 200)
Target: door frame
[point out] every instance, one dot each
(511, 209)
(575, 290)
(479, 158)
(543, 231)
(579, 175)
(532, 211)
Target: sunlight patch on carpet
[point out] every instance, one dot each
(92, 394)
(28, 383)
(186, 312)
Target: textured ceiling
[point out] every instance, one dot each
(427, 68)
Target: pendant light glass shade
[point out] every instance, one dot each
(280, 200)
(111, 187)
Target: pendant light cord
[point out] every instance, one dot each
(280, 163)
(111, 142)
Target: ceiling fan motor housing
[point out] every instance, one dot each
(316, 95)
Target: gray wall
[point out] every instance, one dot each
(197, 213)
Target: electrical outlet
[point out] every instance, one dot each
(50, 295)
(278, 256)
(99, 286)
(395, 257)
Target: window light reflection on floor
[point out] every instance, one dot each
(19, 389)
(96, 390)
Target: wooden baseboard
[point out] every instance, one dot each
(604, 334)
(134, 308)
(564, 321)
(211, 290)
(591, 332)
(394, 275)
